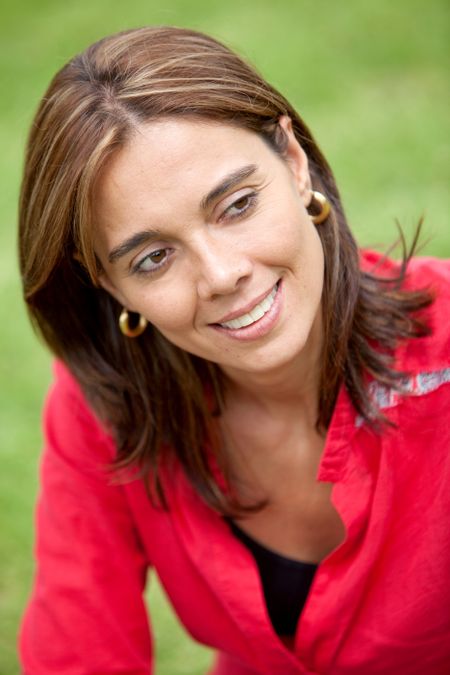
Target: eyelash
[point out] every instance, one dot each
(138, 269)
(251, 199)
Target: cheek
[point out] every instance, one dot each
(170, 310)
(304, 256)
(290, 238)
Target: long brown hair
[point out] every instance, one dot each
(150, 393)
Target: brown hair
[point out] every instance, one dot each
(149, 392)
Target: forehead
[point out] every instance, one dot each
(174, 154)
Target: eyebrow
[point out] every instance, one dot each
(227, 183)
(133, 242)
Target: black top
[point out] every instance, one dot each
(286, 583)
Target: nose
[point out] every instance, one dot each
(222, 267)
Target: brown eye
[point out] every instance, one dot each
(157, 256)
(241, 203)
(153, 261)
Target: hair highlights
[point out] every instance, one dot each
(151, 393)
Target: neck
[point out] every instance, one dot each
(290, 389)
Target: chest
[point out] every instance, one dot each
(379, 604)
(298, 519)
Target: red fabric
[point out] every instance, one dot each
(379, 604)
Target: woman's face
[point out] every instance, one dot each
(203, 229)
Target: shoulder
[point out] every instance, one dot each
(65, 389)
(422, 272)
(70, 425)
(431, 353)
(65, 397)
(432, 273)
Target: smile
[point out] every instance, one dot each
(254, 315)
(254, 322)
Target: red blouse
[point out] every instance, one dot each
(379, 603)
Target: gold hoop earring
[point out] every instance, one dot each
(124, 324)
(322, 202)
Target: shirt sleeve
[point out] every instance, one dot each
(86, 613)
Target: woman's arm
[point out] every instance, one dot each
(86, 613)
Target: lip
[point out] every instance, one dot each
(259, 328)
(245, 309)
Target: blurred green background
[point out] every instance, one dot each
(370, 78)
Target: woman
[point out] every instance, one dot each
(273, 402)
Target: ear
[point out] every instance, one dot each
(297, 160)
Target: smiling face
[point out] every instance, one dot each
(202, 228)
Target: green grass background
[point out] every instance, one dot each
(370, 78)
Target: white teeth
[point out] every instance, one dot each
(255, 314)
